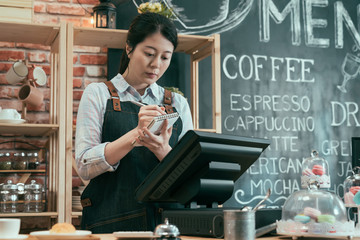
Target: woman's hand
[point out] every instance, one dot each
(158, 144)
(147, 113)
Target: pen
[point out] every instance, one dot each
(138, 103)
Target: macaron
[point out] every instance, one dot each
(318, 170)
(307, 172)
(312, 212)
(302, 218)
(326, 218)
(357, 198)
(354, 189)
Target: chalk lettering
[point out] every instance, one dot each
(268, 9)
(275, 103)
(345, 113)
(298, 70)
(234, 123)
(336, 148)
(345, 169)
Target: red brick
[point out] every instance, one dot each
(75, 21)
(4, 67)
(93, 59)
(90, 2)
(46, 69)
(7, 44)
(75, 106)
(86, 22)
(5, 55)
(11, 104)
(78, 71)
(3, 79)
(75, 58)
(38, 57)
(6, 92)
(77, 94)
(91, 80)
(33, 46)
(65, 9)
(37, 117)
(45, 19)
(77, 83)
(86, 49)
(39, 7)
(95, 71)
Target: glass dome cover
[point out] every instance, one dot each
(315, 168)
(352, 188)
(314, 212)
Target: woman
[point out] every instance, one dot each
(108, 123)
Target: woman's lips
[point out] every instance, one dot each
(151, 75)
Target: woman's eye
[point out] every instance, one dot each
(149, 54)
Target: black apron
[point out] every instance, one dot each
(109, 203)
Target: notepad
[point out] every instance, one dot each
(156, 124)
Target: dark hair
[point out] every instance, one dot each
(144, 25)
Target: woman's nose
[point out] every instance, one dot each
(155, 63)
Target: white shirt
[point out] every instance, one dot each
(89, 151)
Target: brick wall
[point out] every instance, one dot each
(89, 62)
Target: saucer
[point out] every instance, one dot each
(46, 235)
(20, 236)
(12, 121)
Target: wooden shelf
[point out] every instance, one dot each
(28, 33)
(23, 171)
(28, 129)
(76, 214)
(22, 214)
(115, 38)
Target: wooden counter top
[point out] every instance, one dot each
(111, 237)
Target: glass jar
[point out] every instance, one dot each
(316, 169)
(33, 197)
(21, 196)
(19, 161)
(33, 160)
(314, 212)
(10, 197)
(1, 196)
(5, 161)
(352, 187)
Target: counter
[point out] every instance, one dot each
(111, 237)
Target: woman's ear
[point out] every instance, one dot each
(128, 50)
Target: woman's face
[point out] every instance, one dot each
(148, 61)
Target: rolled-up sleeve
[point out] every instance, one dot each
(89, 150)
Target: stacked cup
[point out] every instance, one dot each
(28, 93)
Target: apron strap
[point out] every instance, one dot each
(114, 96)
(167, 101)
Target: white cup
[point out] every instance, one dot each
(9, 113)
(17, 72)
(9, 227)
(38, 75)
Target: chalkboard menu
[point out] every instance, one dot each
(290, 73)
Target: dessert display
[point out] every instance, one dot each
(352, 188)
(316, 169)
(314, 212)
(62, 228)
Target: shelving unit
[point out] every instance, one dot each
(198, 47)
(53, 36)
